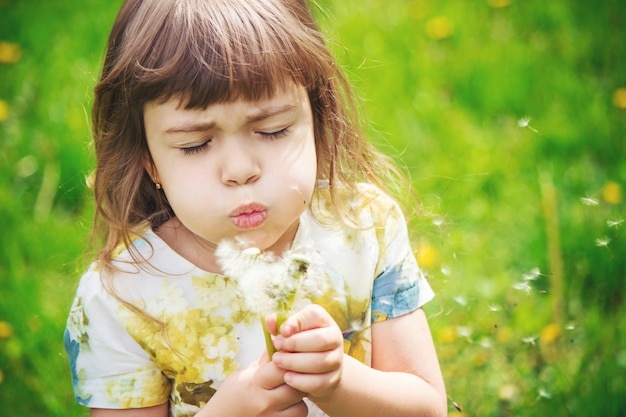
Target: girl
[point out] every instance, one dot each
(218, 120)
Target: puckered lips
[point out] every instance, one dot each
(249, 216)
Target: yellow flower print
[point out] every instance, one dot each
(77, 323)
(139, 390)
(216, 292)
(359, 345)
(378, 316)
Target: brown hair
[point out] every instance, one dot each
(204, 52)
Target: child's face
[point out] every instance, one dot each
(236, 169)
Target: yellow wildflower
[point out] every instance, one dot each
(6, 330)
(549, 334)
(439, 28)
(10, 53)
(498, 4)
(4, 110)
(447, 334)
(612, 192)
(619, 98)
(427, 256)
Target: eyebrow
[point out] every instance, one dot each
(263, 114)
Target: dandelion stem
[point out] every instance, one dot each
(269, 345)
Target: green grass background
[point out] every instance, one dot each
(444, 84)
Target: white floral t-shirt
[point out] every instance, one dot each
(182, 331)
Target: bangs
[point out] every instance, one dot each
(201, 52)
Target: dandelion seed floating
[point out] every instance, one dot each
(438, 222)
(523, 286)
(603, 242)
(457, 406)
(524, 122)
(464, 331)
(461, 300)
(532, 275)
(614, 223)
(588, 201)
(543, 393)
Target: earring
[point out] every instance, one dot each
(158, 185)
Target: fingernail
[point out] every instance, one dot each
(278, 343)
(277, 358)
(287, 330)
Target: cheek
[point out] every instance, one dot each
(305, 166)
(184, 189)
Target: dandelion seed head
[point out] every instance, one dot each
(251, 252)
(615, 223)
(269, 283)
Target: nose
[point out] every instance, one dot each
(240, 165)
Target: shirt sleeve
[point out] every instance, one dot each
(400, 286)
(109, 369)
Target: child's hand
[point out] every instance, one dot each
(264, 394)
(310, 346)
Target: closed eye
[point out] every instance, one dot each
(274, 135)
(191, 150)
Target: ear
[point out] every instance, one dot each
(151, 169)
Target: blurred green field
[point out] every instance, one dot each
(522, 227)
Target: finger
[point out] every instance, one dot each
(284, 397)
(269, 376)
(311, 317)
(299, 409)
(309, 363)
(316, 385)
(314, 340)
(271, 324)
